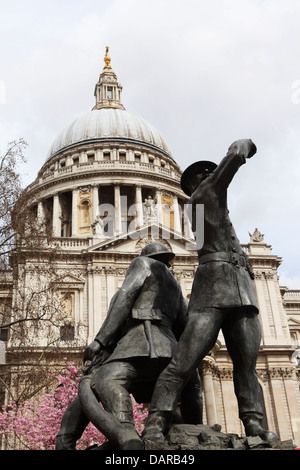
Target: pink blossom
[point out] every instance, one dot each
(34, 424)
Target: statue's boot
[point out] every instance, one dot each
(156, 425)
(253, 427)
(72, 426)
(65, 442)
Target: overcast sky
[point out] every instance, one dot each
(204, 73)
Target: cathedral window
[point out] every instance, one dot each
(109, 92)
(106, 156)
(122, 156)
(84, 213)
(67, 332)
(91, 157)
(4, 334)
(137, 157)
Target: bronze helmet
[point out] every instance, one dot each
(156, 248)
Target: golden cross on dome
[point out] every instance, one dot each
(107, 59)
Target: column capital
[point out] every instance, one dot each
(226, 373)
(85, 188)
(54, 194)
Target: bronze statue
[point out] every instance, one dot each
(222, 298)
(135, 343)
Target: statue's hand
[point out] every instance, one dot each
(94, 355)
(243, 147)
(91, 350)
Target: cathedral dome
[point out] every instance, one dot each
(110, 171)
(107, 124)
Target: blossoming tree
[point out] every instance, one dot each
(34, 424)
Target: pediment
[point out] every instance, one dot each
(69, 279)
(134, 242)
(293, 322)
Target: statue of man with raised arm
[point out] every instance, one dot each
(222, 298)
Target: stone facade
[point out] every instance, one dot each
(110, 185)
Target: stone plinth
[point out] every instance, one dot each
(202, 437)
(188, 437)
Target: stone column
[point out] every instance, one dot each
(187, 224)
(56, 223)
(90, 298)
(110, 272)
(231, 414)
(74, 212)
(269, 299)
(159, 206)
(2, 352)
(139, 206)
(177, 215)
(41, 217)
(95, 208)
(276, 306)
(41, 212)
(117, 201)
(293, 399)
(209, 394)
(278, 390)
(95, 285)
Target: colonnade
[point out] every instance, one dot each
(89, 199)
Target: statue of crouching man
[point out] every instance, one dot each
(145, 319)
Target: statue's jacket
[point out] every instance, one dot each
(150, 296)
(224, 276)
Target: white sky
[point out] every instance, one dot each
(205, 73)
